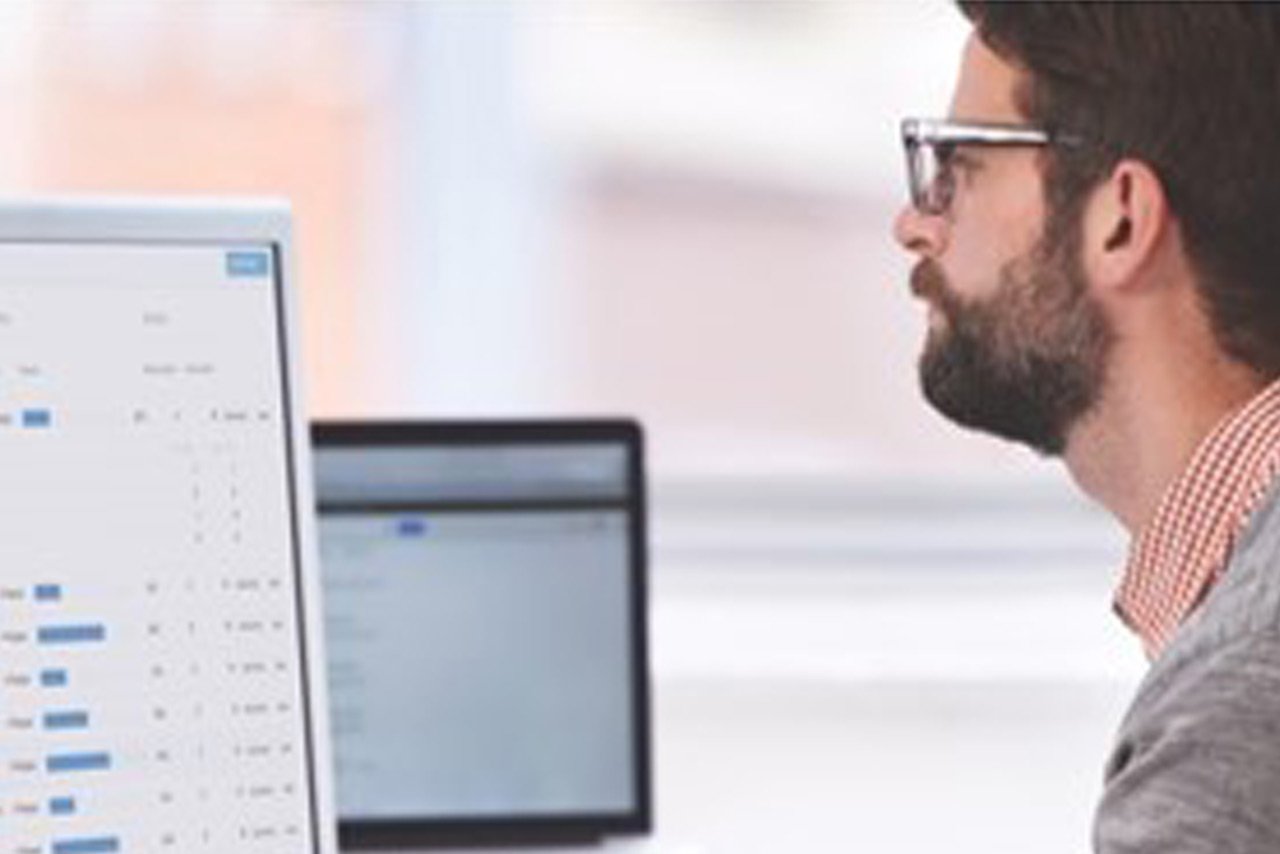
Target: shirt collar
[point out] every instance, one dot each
(1181, 552)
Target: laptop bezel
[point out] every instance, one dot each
(359, 832)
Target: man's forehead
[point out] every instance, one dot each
(985, 86)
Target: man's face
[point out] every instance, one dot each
(1016, 346)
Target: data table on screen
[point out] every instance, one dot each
(150, 672)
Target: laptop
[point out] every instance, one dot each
(159, 608)
(485, 612)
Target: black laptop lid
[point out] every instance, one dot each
(485, 629)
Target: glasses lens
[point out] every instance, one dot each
(915, 176)
(936, 184)
(929, 172)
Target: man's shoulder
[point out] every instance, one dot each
(1217, 666)
(1196, 765)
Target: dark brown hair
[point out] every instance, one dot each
(1193, 90)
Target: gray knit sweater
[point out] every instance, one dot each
(1196, 767)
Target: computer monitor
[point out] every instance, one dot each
(485, 610)
(158, 595)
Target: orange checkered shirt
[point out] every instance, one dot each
(1186, 546)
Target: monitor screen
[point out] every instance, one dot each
(483, 610)
(154, 681)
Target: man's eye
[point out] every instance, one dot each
(963, 162)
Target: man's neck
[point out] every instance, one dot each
(1127, 452)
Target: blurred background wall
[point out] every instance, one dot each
(872, 631)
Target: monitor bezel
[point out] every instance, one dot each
(517, 829)
(179, 221)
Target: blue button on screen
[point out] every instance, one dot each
(412, 527)
(241, 264)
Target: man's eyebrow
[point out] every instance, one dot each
(964, 155)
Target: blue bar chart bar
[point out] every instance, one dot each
(37, 418)
(87, 845)
(85, 633)
(66, 720)
(48, 592)
(62, 806)
(61, 762)
(53, 677)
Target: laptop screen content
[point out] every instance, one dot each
(481, 627)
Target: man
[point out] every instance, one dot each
(1097, 227)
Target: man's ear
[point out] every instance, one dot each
(1125, 219)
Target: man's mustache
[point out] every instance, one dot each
(930, 283)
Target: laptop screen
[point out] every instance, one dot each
(155, 685)
(484, 626)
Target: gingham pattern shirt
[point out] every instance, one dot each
(1185, 547)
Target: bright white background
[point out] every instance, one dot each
(871, 631)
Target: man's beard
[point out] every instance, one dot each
(1025, 363)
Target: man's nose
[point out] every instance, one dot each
(920, 233)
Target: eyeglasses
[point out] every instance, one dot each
(931, 144)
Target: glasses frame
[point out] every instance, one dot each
(934, 198)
